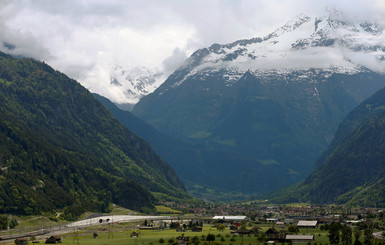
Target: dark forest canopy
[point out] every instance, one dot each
(352, 170)
(59, 147)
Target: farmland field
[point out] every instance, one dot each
(120, 234)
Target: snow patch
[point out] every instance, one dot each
(132, 83)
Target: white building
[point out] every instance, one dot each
(307, 223)
(300, 238)
(230, 218)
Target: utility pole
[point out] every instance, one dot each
(110, 225)
(76, 236)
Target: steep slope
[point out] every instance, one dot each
(183, 156)
(352, 169)
(61, 147)
(269, 105)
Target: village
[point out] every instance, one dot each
(226, 224)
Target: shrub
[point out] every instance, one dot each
(13, 223)
(3, 222)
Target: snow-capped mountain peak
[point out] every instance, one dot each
(135, 82)
(329, 42)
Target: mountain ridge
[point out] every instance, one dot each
(76, 135)
(352, 169)
(330, 34)
(266, 118)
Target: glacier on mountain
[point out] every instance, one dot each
(330, 43)
(135, 82)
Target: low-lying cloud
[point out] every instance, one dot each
(85, 39)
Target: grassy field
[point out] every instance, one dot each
(153, 237)
(166, 210)
(120, 234)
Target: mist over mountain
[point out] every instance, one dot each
(270, 105)
(323, 42)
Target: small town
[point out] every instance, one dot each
(215, 224)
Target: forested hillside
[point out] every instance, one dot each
(59, 147)
(352, 170)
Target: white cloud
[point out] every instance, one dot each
(84, 38)
(174, 61)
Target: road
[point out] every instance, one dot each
(108, 219)
(70, 227)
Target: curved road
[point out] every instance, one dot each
(62, 229)
(108, 219)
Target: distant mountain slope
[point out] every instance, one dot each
(269, 106)
(275, 132)
(183, 156)
(61, 147)
(353, 168)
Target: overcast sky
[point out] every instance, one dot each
(85, 38)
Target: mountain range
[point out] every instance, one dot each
(61, 148)
(329, 41)
(236, 119)
(264, 109)
(351, 170)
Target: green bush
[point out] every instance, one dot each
(3, 222)
(13, 223)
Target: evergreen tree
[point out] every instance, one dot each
(171, 241)
(195, 240)
(293, 229)
(346, 235)
(3, 222)
(334, 233)
(357, 235)
(13, 223)
(210, 238)
(368, 235)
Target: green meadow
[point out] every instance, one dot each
(120, 234)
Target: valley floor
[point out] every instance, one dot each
(118, 228)
(120, 234)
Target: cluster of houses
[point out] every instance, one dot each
(262, 212)
(283, 236)
(280, 219)
(49, 240)
(273, 235)
(194, 225)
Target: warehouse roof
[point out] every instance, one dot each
(230, 217)
(307, 223)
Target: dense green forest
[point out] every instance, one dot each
(60, 148)
(352, 170)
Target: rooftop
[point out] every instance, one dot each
(230, 217)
